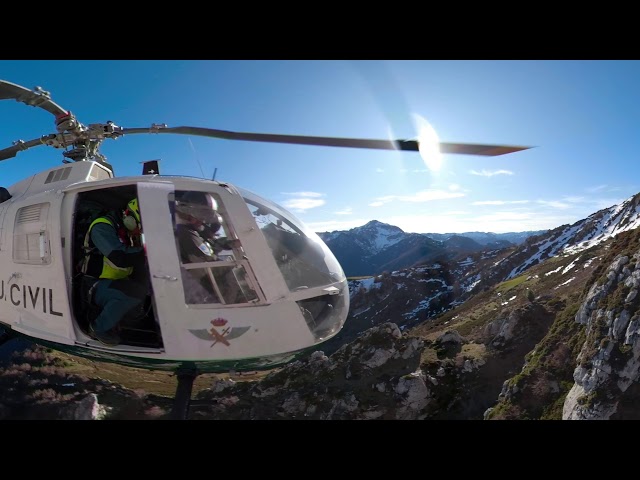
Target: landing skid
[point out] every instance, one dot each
(182, 400)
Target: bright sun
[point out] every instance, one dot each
(428, 143)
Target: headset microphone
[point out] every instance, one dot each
(130, 222)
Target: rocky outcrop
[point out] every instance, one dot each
(609, 361)
(472, 381)
(87, 408)
(449, 343)
(375, 377)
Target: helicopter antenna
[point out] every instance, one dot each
(214, 173)
(196, 155)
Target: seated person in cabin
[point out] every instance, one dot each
(112, 261)
(197, 227)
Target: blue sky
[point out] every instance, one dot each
(582, 117)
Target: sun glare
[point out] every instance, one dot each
(428, 143)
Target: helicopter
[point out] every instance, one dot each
(280, 292)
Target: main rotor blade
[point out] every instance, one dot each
(12, 151)
(35, 98)
(410, 145)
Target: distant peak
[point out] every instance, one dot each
(377, 224)
(374, 223)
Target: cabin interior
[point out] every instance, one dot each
(139, 327)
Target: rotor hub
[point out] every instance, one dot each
(66, 123)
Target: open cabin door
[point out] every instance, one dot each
(162, 257)
(190, 294)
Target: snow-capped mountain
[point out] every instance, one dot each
(377, 247)
(373, 237)
(418, 277)
(582, 235)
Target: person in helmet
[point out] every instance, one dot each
(198, 224)
(112, 263)
(131, 218)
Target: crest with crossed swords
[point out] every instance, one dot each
(228, 333)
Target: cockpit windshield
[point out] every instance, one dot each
(303, 258)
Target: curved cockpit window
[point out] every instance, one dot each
(305, 262)
(303, 258)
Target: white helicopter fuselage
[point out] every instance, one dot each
(279, 293)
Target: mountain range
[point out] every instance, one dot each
(548, 329)
(458, 274)
(377, 247)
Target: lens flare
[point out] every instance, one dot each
(428, 143)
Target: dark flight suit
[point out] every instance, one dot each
(194, 248)
(115, 292)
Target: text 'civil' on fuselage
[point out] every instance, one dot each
(29, 297)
